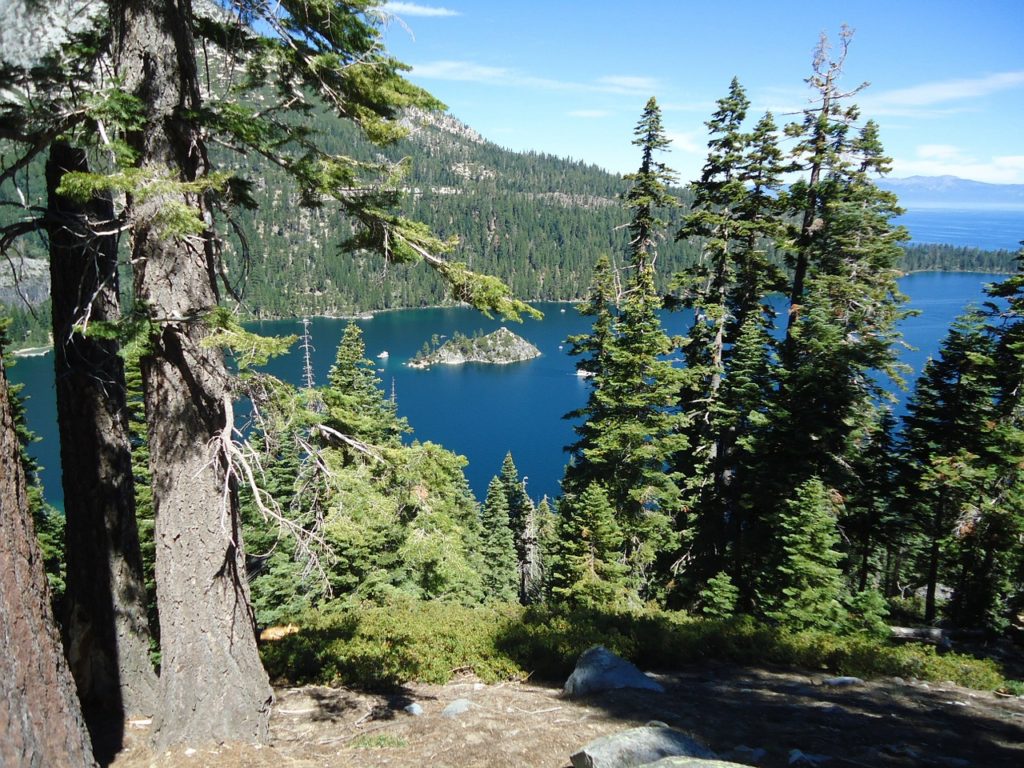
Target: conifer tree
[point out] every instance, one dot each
(497, 546)
(964, 448)
(803, 591)
(949, 414)
(843, 322)
(871, 521)
(587, 569)
(735, 214)
(354, 399)
(632, 420)
(41, 722)
(547, 545)
(821, 141)
(523, 521)
(719, 598)
(154, 121)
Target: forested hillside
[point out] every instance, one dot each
(533, 220)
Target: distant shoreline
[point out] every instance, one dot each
(32, 351)
(371, 313)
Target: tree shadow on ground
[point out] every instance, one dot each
(724, 687)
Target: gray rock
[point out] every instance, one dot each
(796, 757)
(638, 747)
(842, 682)
(694, 762)
(746, 754)
(598, 669)
(413, 709)
(456, 708)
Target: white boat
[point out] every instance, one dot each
(584, 374)
(384, 355)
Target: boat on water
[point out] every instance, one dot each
(384, 355)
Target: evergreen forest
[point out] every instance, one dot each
(744, 489)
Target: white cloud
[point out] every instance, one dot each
(589, 113)
(939, 99)
(685, 141)
(942, 152)
(462, 70)
(698, 107)
(415, 9)
(629, 83)
(467, 71)
(948, 160)
(929, 94)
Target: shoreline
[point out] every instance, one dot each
(32, 351)
(372, 313)
(40, 351)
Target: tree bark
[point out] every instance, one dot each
(106, 633)
(212, 684)
(40, 720)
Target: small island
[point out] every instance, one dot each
(498, 348)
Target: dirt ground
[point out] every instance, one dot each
(735, 711)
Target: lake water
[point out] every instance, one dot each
(985, 228)
(483, 411)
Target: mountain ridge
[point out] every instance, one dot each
(952, 192)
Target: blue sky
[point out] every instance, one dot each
(571, 78)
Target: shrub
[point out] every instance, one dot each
(384, 645)
(380, 646)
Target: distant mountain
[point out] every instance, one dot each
(953, 192)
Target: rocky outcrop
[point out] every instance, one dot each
(498, 348)
(24, 279)
(598, 669)
(639, 747)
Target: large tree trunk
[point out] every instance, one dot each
(106, 634)
(40, 721)
(212, 684)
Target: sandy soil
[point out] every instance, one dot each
(888, 722)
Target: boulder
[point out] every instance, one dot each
(638, 747)
(598, 669)
(844, 681)
(456, 708)
(694, 762)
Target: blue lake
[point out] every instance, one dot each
(483, 411)
(980, 227)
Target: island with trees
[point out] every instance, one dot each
(499, 348)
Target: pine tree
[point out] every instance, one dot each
(155, 123)
(964, 449)
(587, 569)
(42, 722)
(632, 423)
(355, 401)
(719, 598)
(821, 143)
(735, 212)
(949, 415)
(523, 521)
(547, 545)
(805, 589)
(497, 546)
(843, 323)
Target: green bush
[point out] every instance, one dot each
(374, 646)
(380, 646)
